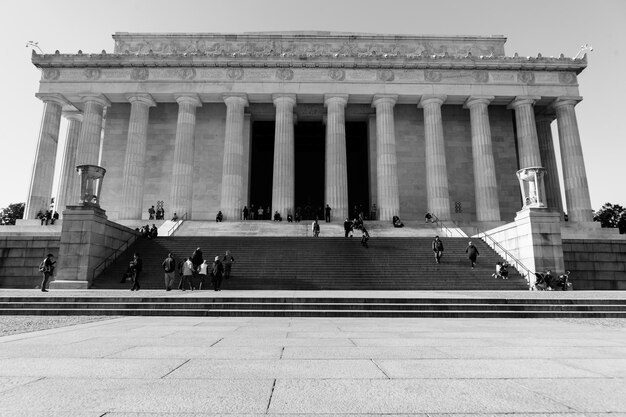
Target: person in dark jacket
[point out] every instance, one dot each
(217, 271)
(437, 247)
(196, 259)
(347, 226)
(137, 266)
(47, 269)
(472, 253)
(169, 267)
(227, 261)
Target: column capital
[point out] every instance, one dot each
(285, 98)
(474, 100)
(342, 99)
(73, 115)
(236, 98)
(100, 99)
(141, 98)
(384, 98)
(545, 117)
(565, 101)
(188, 98)
(522, 100)
(53, 98)
(432, 98)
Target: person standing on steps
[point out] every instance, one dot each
(46, 268)
(137, 267)
(365, 237)
(437, 247)
(228, 261)
(327, 213)
(196, 260)
(347, 226)
(315, 227)
(187, 274)
(472, 253)
(217, 270)
(245, 212)
(203, 272)
(169, 267)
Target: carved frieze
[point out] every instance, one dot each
(336, 74)
(92, 73)
(567, 78)
(139, 74)
(51, 74)
(433, 76)
(385, 75)
(526, 77)
(481, 76)
(235, 73)
(284, 74)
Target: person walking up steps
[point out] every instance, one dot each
(437, 247)
(472, 253)
(216, 274)
(228, 261)
(169, 267)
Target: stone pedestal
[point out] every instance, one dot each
(87, 238)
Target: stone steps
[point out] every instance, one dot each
(312, 307)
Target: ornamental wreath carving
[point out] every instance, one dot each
(337, 74)
(285, 74)
(139, 74)
(385, 75)
(92, 73)
(567, 78)
(51, 74)
(432, 76)
(481, 76)
(526, 77)
(235, 73)
(186, 73)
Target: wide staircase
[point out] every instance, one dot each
(324, 263)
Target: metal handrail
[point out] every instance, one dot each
(443, 226)
(114, 255)
(176, 225)
(517, 264)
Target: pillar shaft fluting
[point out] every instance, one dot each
(283, 180)
(88, 151)
(69, 185)
(135, 157)
(527, 141)
(386, 162)
(574, 174)
(336, 178)
(437, 192)
(182, 172)
(548, 159)
(232, 167)
(485, 184)
(42, 177)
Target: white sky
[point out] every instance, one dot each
(531, 26)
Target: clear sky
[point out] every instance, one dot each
(531, 26)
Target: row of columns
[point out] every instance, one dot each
(83, 146)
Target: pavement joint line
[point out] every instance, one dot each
(269, 402)
(549, 397)
(23, 385)
(55, 330)
(187, 360)
(281, 352)
(217, 342)
(380, 369)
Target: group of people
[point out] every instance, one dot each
(49, 217)
(195, 272)
(357, 224)
(147, 231)
(470, 250)
(158, 214)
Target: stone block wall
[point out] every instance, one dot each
(596, 264)
(20, 257)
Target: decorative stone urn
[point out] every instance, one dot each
(532, 186)
(91, 177)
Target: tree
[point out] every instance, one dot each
(612, 215)
(9, 214)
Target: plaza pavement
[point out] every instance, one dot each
(187, 366)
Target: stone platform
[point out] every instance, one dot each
(201, 366)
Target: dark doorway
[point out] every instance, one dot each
(358, 173)
(261, 164)
(310, 169)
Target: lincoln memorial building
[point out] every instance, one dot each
(215, 122)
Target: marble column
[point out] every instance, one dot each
(548, 158)
(485, 184)
(386, 162)
(283, 188)
(232, 166)
(527, 141)
(574, 174)
(182, 173)
(135, 157)
(40, 189)
(88, 150)
(437, 192)
(69, 185)
(336, 178)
